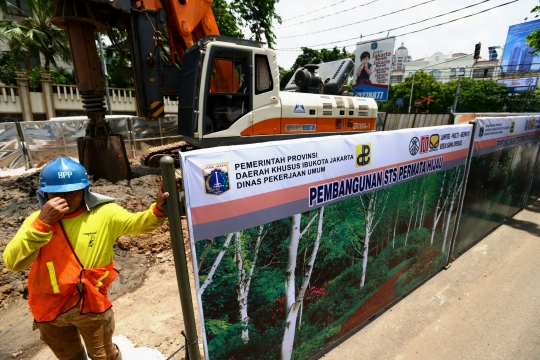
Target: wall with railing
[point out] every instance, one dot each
(19, 103)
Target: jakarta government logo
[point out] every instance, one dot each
(216, 178)
(374, 46)
(414, 146)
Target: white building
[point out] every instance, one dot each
(444, 67)
(448, 67)
(400, 58)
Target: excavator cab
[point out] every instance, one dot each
(219, 86)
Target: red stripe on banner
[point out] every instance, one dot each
(230, 209)
(482, 144)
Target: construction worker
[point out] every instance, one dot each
(69, 244)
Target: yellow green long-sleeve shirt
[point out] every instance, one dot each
(92, 234)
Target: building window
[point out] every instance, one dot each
(452, 72)
(482, 73)
(31, 60)
(396, 79)
(436, 74)
(20, 8)
(461, 71)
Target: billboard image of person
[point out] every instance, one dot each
(373, 67)
(364, 70)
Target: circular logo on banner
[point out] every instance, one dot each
(414, 146)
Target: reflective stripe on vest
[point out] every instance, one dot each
(52, 275)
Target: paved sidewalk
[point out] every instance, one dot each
(485, 306)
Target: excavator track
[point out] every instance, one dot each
(152, 156)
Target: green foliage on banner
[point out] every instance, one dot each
(404, 248)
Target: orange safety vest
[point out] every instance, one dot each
(57, 281)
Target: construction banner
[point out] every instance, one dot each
(503, 159)
(297, 243)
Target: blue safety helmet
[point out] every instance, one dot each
(63, 175)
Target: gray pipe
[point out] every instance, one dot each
(172, 211)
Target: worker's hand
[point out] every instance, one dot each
(53, 210)
(162, 196)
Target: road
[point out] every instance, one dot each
(485, 306)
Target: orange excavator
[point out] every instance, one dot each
(227, 88)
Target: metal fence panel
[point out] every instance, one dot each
(11, 150)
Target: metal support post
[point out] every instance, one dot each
(104, 68)
(172, 210)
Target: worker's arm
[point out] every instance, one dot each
(23, 249)
(127, 223)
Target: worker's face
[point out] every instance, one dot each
(74, 199)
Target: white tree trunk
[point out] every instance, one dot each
(422, 214)
(294, 300)
(241, 293)
(395, 226)
(416, 217)
(244, 281)
(438, 211)
(455, 193)
(369, 214)
(208, 280)
(408, 227)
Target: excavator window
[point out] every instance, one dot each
(263, 78)
(229, 95)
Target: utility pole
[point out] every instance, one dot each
(457, 95)
(525, 100)
(412, 87)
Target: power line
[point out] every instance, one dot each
(361, 21)
(311, 12)
(338, 12)
(410, 32)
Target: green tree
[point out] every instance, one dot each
(255, 14)
(481, 96)
(8, 66)
(424, 85)
(226, 21)
(36, 34)
(533, 39)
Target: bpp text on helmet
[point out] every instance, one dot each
(64, 174)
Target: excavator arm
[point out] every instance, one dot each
(100, 151)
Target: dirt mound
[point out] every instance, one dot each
(18, 200)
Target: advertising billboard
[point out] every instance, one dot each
(519, 68)
(297, 243)
(520, 84)
(373, 65)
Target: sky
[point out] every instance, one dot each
(313, 21)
